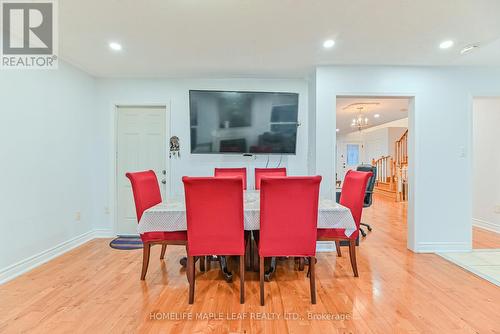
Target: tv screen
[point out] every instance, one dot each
(243, 122)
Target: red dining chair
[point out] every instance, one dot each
(236, 172)
(147, 194)
(352, 197)
(214, 213)
(267, 172)
(288, 222)
(232, 172)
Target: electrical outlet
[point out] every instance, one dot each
(78, 216)
(497, 208)
(106, 210)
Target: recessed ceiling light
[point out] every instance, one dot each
(376, 115)
(337, 130)
(329, 43)
(115, 46)
(469, 48)
(446, 44)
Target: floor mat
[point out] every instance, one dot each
(126, 243)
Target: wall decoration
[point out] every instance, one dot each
(174, 147)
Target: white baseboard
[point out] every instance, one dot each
(23, 266)
(103, 233)
(325, 246)
(486, 225)
(442, 247)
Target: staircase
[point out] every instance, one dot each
(385, 184)
(392, 173)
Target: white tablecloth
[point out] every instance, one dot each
(171, 216)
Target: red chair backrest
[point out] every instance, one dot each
(214, 213)
(353, 194)
(232, 172)
(289, 216)
(146, 190)
(267, 172)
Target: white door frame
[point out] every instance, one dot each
(472, 97)
(413, 98)
(113, 198)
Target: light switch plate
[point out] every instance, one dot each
(462, 152)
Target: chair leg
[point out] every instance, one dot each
(188, 272)
(208, 260)
(255, 251)
(202, 264)
(309, 268)
(242, 279)
(163, 250)
(312, 278)
(337, 246)
(367, 226)
(352, 255)
(301, 263)
(145, 260)
(191, 278)
(261, 275)
(248, 249)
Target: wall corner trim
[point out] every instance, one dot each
(442, 247)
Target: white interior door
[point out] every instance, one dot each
(351, 156)
(141, 145)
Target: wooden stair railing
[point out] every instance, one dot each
(392, 173)
(402, 150)
(385, 170)
(401, 165)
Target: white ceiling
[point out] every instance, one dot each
(389, 109)
(185, 38)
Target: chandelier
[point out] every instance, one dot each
(360, 122)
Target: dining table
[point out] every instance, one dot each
(170, 216)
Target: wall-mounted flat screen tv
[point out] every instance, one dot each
(243, 122)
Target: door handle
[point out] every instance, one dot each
(164, 181)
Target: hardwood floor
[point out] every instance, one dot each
(482, 238)
(96, 289)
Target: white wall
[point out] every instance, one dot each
(175, 93)
(440, 208)
(311, 124)
(47, 160)
(486, 163)
(376, 144)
